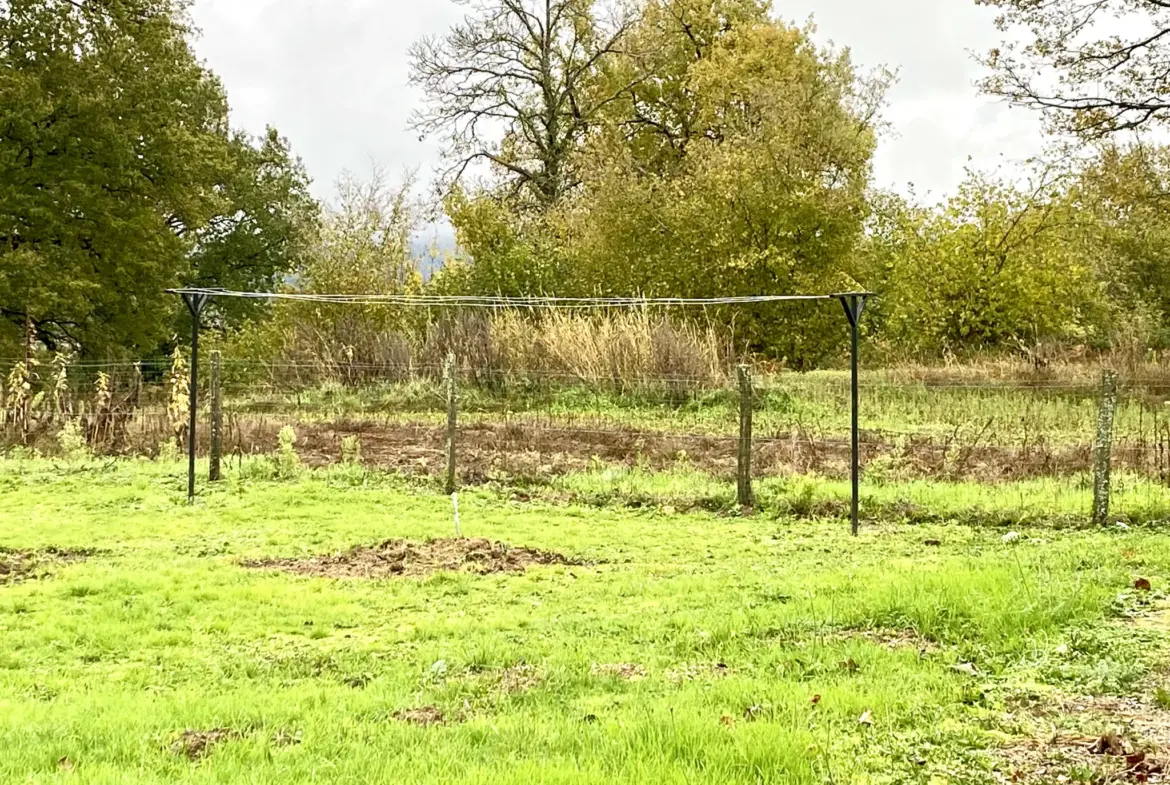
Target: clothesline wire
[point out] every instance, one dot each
(474, 301)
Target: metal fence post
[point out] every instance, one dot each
(746, 496)
(450, 372)
(1103, 450)
(195, 303)
(214, 473)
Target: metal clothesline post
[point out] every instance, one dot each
(854, 304)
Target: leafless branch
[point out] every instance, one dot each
(511, 85)
(1085, 78)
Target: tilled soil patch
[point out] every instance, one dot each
(17, 566)
(541, 448)
(404, 558)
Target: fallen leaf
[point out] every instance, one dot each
(1109, 744)
(1140, 766)
(752, 712)
(867, 718)
(966, 668)
(1141, 584)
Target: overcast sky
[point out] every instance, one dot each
(332, 76)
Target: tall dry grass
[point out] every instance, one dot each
(626, 350)
(619, 350)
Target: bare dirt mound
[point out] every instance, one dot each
(196, 744)
(424, 716)
(404, 558)
(17, 566)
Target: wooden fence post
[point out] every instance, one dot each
(1103, 452)
(746, 403)
(215, 472)
(450, 372)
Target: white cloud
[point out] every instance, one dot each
(939, 120)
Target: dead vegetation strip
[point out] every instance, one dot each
(626, 671)
(1107, 739)
(544, 446)
(422, 716)
(196, 744)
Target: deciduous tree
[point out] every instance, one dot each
(751, 179)
(513, 86)
(265, 226)
(1122, 197)
(995, 267)
(119, 176)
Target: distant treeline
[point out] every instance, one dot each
(661, 148)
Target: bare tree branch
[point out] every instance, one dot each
(1093, 67)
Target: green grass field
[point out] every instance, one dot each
(688, 648)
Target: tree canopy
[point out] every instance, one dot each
(640, 147)
(119, 176)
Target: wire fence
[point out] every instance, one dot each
(933, 448)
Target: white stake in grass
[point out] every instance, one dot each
(455, 505)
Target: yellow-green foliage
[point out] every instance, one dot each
(288, 463)
(993, 267)
(1121, 198)
(178, 395)
(71, 440)
(364, 249)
